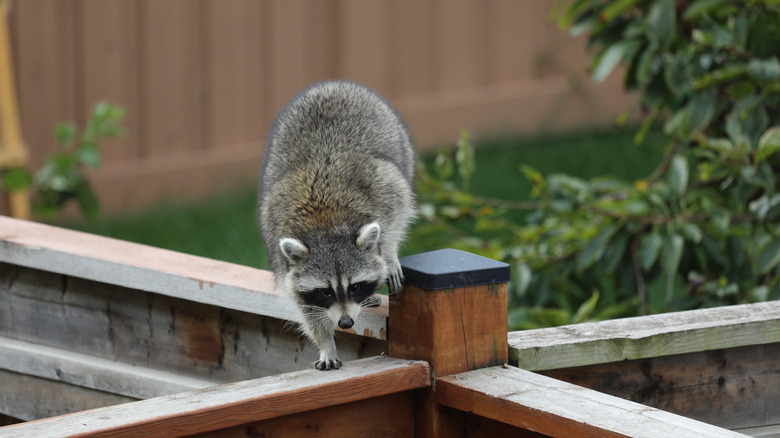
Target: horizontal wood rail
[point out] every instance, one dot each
(151, 269)
(238, 403)
(646, 336)
(558, 409)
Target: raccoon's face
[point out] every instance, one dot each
(334, 281)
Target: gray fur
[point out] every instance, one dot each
(336, 196)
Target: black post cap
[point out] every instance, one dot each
(449, 268)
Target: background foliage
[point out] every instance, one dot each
(701, 229)
(62, 178)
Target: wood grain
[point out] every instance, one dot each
(156, 270)
(559, 409)
(31, 398)
(388, 416)
(237, 403)
(732, 388)
(155, 331)
(649, 336)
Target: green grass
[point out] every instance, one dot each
(224, 226)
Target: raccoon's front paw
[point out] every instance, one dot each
(395, 282)
(327, 364)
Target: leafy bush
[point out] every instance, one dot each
(62, 178)
(702, 229)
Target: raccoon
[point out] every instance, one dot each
(336, 196)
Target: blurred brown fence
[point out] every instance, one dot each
(202, 79)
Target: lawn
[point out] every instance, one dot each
(224, 226)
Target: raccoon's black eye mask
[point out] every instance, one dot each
(326, 297)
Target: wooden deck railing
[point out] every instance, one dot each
(452, 371)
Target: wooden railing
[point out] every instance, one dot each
(70, 303)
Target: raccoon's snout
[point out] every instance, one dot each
(346, 322)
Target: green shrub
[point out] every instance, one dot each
(702, 229)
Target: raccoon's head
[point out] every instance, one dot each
(334, 277)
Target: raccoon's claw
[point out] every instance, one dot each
(395, 282)
(327, 365)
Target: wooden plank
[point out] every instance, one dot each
(172, 76)
(648, 336)
(461, 44)
(109, 67)
(732, 388)
(154, 331)
(31, 398)
(45, 58)
(289, 61)
(387, 416)
(238, 403)
(364, 45)
(559, 409)
(156, 270)
(92, 372)
(413, 56)
(235, 75)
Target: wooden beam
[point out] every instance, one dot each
(31, 398)
(451, 313)
(237, 403)
(157, 270)
(731, 388)
(386, 416)
(92, 372)
(154, 331)
(558, 409)
(645, 337)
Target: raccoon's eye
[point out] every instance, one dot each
(325, 292)
(356, 287)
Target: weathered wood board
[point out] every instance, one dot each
(30, 398)
(647, 336)
(389, 416)
(188, 338)
(234, 404)
(559, 409)
(733, 388)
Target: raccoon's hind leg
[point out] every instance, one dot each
(320, 330)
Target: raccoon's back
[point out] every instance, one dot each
(337, 156)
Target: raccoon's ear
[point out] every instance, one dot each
(293, 249)
(368, 236)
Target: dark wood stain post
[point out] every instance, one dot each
(452, 313)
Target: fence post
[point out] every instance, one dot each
(452, 313)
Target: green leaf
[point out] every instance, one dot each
(700, 7)
(65, 133)
(606, 62)
(649, 248)
(661, 20)
(671, 253)
(594, 249)
(768, 256)
(764, 70)
(522, 278)
(89, 157)
(16, 179)
(768, 144)
(615, 8)
(586, 309)
(678, 174)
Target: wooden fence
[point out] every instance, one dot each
(202, 79)
(158, 343)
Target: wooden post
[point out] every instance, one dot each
(452, 313)
(12, 151)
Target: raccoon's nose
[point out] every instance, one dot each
(346, 322)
